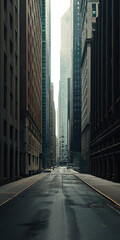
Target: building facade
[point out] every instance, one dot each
(30, 86)
(65, 71)
(68, 120)
(89, 12)
(9, 91)
(52, 128)
(46, 78)
(75, 86)
(105, 93)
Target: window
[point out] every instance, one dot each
(16, 60)
(16, 135)
(5, 160)
(29, 158)
(16, 37)
(16, 16)
(5, 33)
(11, 77)
(5, 5)
(28, 57)
(11, 98)
(5, 68)
(5, 96)
(5, 128)
(11, 132)
(94, 10)
(11, 47)
(11, 22)
(16, 106)
(16, 86)
(16, 162)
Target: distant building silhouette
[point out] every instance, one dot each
(65, 72)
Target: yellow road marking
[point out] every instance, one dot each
(5, 201)
(114, 209)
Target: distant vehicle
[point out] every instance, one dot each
(46, 170)
(70, 165)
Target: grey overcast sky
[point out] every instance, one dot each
(58, 8)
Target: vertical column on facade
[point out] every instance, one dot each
(104, 166)
(115, 54)
(100, 167)
(113, 73)
(104, 62)
(94, 161)
(1, 92)
(109, 167)
(96, 77)
(116, 58)
(93, 88)
(108, 57)
(102, 3)
(119, 49)
(115, 168)
(99, 67)
(95, 73)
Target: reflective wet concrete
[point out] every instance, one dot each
(59, 207)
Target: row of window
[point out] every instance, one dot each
(11, 131)
(33, 159)
(11, 74)
(11, 18)
(11, 155)
(10, 103)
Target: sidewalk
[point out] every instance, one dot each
(108, 189)
(11, 190)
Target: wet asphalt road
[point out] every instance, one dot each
(59, 207)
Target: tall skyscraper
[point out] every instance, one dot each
(9, 91)
(31, 86)
(89, 12)
(75, 85)
(46, 78)
(65, 71)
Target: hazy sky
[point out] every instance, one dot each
(58, 8)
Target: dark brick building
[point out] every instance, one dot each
(30, 87)
(9, 91)
(105, 93)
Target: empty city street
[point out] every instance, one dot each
(59, 206)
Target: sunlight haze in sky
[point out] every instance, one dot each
(58, 8)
